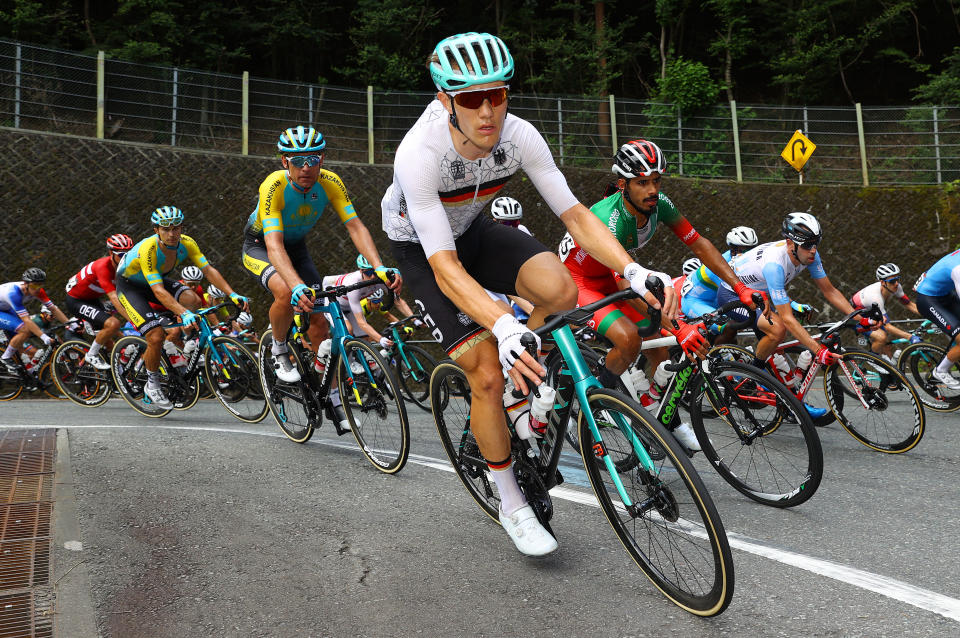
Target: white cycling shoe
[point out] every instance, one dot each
(946, 379)
(96, 361)
(686, 436)
(527, 534)
(284, 368)
(154, 396)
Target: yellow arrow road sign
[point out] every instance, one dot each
(798, 150)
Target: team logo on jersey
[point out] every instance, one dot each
(457, 169)
(499, 156)
(463, 318)
(314, 196)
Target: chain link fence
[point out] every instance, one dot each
(49, 90)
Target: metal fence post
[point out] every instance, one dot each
(100, 102)
(16, 90)
(936, 144)
(310, 105)
(613, 125)
(245, 114)
(560, 128)
(736, 139)
(863, 146)
(679, 143)
(369, 124)
(173, 109)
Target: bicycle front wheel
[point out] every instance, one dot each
(232, 375)
(130, 374)
(875, 403)
(371, 399)
(287, 401)
(79, 381)
(414, 374)
(669, 526)
(917, 362)
(757, 435)
(10, 385)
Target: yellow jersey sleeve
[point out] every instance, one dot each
(271, 203)
(193, 252)
(148, 262)
(337, 194)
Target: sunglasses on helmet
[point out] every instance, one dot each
(474, 99)
(304, 160)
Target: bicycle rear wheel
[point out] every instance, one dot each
(287, 401)
(415, 377)
(374, 407)
(235, 379)
(917, 362)
(757, 435)
(450, 400)
(79, 381)
(10, 385)
(890, 418)
(130, 375)
(671, 528)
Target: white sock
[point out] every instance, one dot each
(511, 498)
(945, 366)
(94, 349)
(278, 347)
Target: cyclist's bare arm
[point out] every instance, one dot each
(833, 296)
(115, 300)
(712, 259)
(594, 237)
(31, 326)
(280, 260)
(167, 299)
(363, 242)
(794, 327)
(402, 307)
(61, 317)
(522, 303)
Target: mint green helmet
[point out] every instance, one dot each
(363, 264)
(467, 59)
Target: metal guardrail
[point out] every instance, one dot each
(53, 90)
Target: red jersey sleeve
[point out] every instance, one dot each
(106, 272)
(684, 230)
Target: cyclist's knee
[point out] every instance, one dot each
(155, 337)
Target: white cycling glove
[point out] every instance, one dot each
(385, 342)
(46, 339)
(637, 276)
(507, 330)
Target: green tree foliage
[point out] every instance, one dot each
(943, 87)
(688, 85)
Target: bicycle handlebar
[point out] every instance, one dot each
(400, 322)
(331, 293)
(719, 316)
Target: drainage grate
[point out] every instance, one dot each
(26, 505)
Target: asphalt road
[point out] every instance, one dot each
(199, 525)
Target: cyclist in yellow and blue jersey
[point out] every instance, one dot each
(290, 203)
(144, 289)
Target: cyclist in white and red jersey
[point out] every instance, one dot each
(455, 159)
(15, 321)
(85, 292)
(878, 293)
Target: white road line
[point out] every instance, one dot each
(883, 585)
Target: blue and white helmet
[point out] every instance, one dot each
(691, 265)
(468, 59)
(167, 216)
(301, 139)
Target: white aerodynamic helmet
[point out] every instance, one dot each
(691, 265)
(191, 273)
(886, 271)
(506, 209)
(742, 237)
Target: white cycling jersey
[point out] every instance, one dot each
(873, 294)
(768, 268)
(437, 193)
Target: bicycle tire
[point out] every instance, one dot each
(374, 406)
(744, 438)
(738, 353)
(79, 381)
(450, 400)
(235, 380)
(673, 531)
(415, 378)
(10, 385)
(870, 425)
(46, 384)
(917, 362)
(554, 365)
(130, 376)
(287, 401)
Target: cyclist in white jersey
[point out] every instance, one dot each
(770, 267)
(459, 154)
(885, 288)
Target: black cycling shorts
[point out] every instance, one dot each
(256, 262)
(92, 310)
(136, 300)
(943, 311)
(726, 295)
(490, 252)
